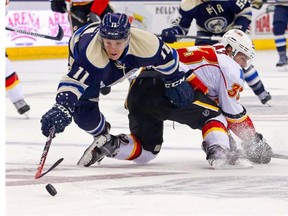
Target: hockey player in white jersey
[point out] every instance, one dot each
(217, 71)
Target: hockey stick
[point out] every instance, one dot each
(280, 156)
(216, 38)
(74, 15)
(58, 37)
(274, 1)
(44, 156)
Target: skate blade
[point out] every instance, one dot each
(84, 160)
(282, 68)
(269, 105)
(26, 115)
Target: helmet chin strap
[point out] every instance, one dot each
(233, 53)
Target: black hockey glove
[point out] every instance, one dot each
(58, 116)
(58, 6)
(179, 91)
(257, 149)
(169, 35)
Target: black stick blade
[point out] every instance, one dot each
(50, 169)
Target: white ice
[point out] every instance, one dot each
(178, 182)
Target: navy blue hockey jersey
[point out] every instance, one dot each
(215, 17)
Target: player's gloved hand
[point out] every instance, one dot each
(257, 149)
(58, 116)
(179, 91)
(58, 6)
(169, 35)
(257, 4)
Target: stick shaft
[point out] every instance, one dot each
(74, 16)
(280, 156)
(45, 153)
(59, 36)
(274, 1)
(216, 38)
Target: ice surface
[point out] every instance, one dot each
(178, 182)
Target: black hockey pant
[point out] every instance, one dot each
(149, 108)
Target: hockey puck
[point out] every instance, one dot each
(51, 190)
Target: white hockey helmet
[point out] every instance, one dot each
(240, 42)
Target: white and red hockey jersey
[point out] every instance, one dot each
(211, 70)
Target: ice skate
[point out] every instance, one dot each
(283, 61)
(22, 107)
(220, 158)
(103, 145)
(265, 97)
(282, 64)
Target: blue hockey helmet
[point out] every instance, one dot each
(115, 26)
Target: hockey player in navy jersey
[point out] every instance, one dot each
(103, 55)
(213, 70)
(214, 18)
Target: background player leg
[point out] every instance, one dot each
(14, 89)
